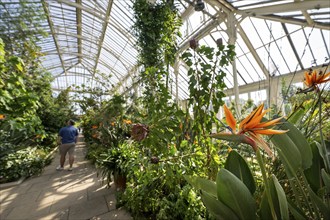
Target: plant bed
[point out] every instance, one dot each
(33, 161)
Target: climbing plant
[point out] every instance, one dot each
(156, 28)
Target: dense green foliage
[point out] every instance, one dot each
(161, 142)
(30, 115)
(152, 142)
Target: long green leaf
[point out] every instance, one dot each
(289, 154)
(324, 153)
(202, 184)
(300, 141)
(265, 212)
(326, 179)
(278, 199)
(234, 194)
(282, 202)
(313, 174)
(297, 116)
(217, 208)
(236, 164)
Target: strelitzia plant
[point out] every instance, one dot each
(249, 132)
(231, 196)
(250, 129)
(312, 79)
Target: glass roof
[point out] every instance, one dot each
(90, 41)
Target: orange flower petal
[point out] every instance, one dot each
(314, 76)
(307, 80)
(268, 123)
(245, 121)
(231, 122)
(269, 131)
(256, 120)
(323, 78)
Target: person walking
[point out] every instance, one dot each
(68, 137)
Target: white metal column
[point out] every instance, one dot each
(232, 34)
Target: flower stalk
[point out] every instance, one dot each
(266, 182)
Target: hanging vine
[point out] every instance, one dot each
(156, 29)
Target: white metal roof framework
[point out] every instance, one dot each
(91, 40)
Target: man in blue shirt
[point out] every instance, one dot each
(68, 136)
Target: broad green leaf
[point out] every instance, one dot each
(323, 208)
(313, 174)
(282, 202)
(202, 184)
(278, 199)
(296, 116)
(300, 141)
(326, 179)
(236, 164)
(289, 154)
(234, 194)
(265, 212)
(324, 153)
(217, 208)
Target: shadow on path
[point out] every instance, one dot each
(72, 195)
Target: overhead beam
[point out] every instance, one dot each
(294, 21)
(286, 7)
(104, 30)
(264, 84)
(79, 29)
(202, 32)
(81, 91)
(307, 17)
(226, 7)
(292, 45)
(125, 78)
(186, 13)
(124, 32)
(52, 30)
(114, 72)
(77, 74)
(80, 6)
(95, 43)
(223, 4)
(253, 51)
(65, 71)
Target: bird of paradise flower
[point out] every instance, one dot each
(250, 129)
(313, 78)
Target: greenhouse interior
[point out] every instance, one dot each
(165, 109)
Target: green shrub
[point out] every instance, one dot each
(22, 163)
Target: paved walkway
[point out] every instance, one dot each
(72, 195)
